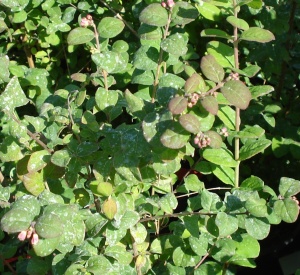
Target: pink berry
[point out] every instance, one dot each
(164, 5)
(170, 3)
(84, 22)
(22, 235)
(34, 239)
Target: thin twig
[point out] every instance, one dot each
(8, 265)
(237, 110)
(204, 257)
(28, 53)
(29, 133)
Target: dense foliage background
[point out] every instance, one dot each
(140, 137)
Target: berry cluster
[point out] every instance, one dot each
(202, 140)
(224, 132)
(86, 21)
(193, 99)
(168, 4)
(29, 234)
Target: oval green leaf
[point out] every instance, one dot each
(237, 22)
(212, 69)
(110, 27)
(49, 226)
(190, 123)
(220, 156)
(210, 104)
(237, 93)
(79, 36)
(177, 105)
(253, 147)
(154, 15)
(257, 34)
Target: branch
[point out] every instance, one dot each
(237, 110)
(32, 135)
(28, 53)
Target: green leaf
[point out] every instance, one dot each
(15, 5)
(237, 22)
(142, 77)
(38, 160)
(127, 220)
(209, 201)
(107, 60)
(46, 197)
(109, 208)
(99, 264)
(4, 64)
(250, 132)
(209, 268)
(287, 209)
(256, 206)
(183, 13)
(195, 83)
(215, 139)
(45, 247)
(185, 257)
(258, 35)
(222, 53)
(119, 253)
(227, 115)
(79, 36)
(223, 173)
(227, 224)
(146, 58)
(105, 99)
(34, 182)
(154, 15)
(199, 245)
(10, 150)
(223, 250)
(253, 147)
(192, 183)
(49, 226)
(61, 158)
(177, 105)
(255, 4)
(253, 183)
(139, 233)
(104, 189)
(212, 69)
(210, 104)
(258, 228)
(190, 123)
(246, 246)
(220, 156)
(168, 203)
(13, 96)
(135, 105)
(147, 32)
(110, 27)
(209, 11)
(175, 138)
(289, 187)
(175, 44)
(237, 93)
(16, 220)
(215, 33)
